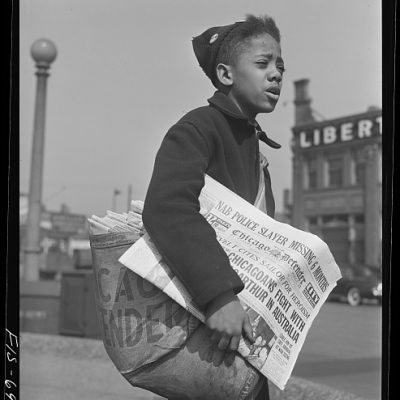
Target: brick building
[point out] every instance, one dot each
(337, 180)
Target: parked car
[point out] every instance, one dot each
(358, 282)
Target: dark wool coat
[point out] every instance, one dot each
(220, 141)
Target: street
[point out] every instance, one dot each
(343, 349)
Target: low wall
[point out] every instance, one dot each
(39, 308)
(77, 348)
(65, 307)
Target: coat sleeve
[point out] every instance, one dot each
(171, 216)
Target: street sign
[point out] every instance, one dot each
(72, 223)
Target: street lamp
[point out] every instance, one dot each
(44, 52)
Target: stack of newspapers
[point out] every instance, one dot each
(115, 222)
(287, 273)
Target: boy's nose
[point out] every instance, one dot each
(276, 76)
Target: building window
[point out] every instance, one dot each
(335, 171)
(313, 220)
(359, 218)
(358, 168)
(311, 174)
(360, 174)
(335, 220)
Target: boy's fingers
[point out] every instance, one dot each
(248, 330)
(215, 337)
(234, 343)
(223, 343)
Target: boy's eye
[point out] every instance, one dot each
(263, 64)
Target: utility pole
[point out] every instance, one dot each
(129, 198)
(43, 52)
(114, 200)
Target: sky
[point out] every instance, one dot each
(125, 72)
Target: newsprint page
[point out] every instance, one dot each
(288, 274)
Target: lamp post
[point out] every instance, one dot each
(44, 52)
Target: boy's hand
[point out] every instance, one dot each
(226, 320)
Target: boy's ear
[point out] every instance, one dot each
(224, 74)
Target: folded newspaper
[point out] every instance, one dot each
(288, 273)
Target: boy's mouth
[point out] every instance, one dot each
(273, 92)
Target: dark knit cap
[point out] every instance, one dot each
(207, 45)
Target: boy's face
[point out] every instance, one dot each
(257, 77)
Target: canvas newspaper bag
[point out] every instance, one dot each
(288, 275)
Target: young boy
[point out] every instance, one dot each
(244, 63)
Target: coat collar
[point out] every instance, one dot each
(223, 103)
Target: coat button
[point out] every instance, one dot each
(213, 38)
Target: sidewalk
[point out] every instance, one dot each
(66, 368)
